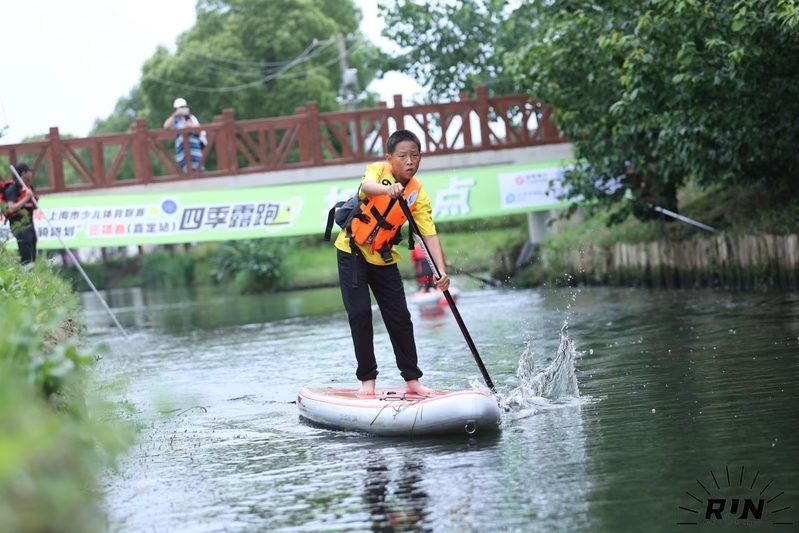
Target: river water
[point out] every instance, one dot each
(660, 406)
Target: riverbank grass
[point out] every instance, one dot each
(731, 210)
(55, 441)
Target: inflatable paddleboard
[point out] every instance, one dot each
(393, 412)
(433, 297)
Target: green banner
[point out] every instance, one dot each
(276, 211)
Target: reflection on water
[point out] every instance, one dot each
(395, 498)
(207, 308)
(670, 385)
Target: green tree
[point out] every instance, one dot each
(241, 55)
(651, 93)
(126, 111)
(238, 56)
(452, 47)
(252, 265)
(655, 92)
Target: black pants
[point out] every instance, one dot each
(386, 285)
(26, 242)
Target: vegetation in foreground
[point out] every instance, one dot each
(54, 441)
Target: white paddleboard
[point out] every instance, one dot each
(393, 412)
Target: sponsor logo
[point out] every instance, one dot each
(169, 206)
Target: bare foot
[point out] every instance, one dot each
(414, 387)
(367, 388)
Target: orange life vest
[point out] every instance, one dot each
(381, 217)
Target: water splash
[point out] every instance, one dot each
(555, 384)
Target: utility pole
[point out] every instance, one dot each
(348, 81)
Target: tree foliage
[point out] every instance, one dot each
(452, 47)
(236, 56)
(655, 92)
(651, 92)
(126, 111)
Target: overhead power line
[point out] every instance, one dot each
(279, 73)
(323, 66)
(242, 62)
(256, 72)
(264, 70)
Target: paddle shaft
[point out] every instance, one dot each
(684, 219)
(492, 282)
(447, 295)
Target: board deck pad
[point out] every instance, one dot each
(381, 393)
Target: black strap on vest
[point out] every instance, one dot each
(382, 223)
(330, 216)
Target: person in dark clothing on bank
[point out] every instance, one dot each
(19, 214)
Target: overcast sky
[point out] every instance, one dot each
(66, 64)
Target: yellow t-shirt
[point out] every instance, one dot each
(422, 215)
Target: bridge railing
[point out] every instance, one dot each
(304, 140)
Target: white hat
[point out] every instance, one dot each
(179, 102)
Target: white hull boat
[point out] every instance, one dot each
(431, 298)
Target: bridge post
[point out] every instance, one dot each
(141, 152)
(538, 227)
(98, 163)
(466, 128)
(482, 114)
(384, 134)
(538, 230)
(221, 144)
(55, 161)
(398, 112)
(226, 142)
(302, 135)
(314, 138)
(550, 131)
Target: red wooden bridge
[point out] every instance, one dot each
(304, 140)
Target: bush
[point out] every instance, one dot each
(483, 224)
(253, 265)
(97, 272)
(51, 450)
(40, 348)
(163, 269)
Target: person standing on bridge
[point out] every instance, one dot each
(179, 119)
(367, 259)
